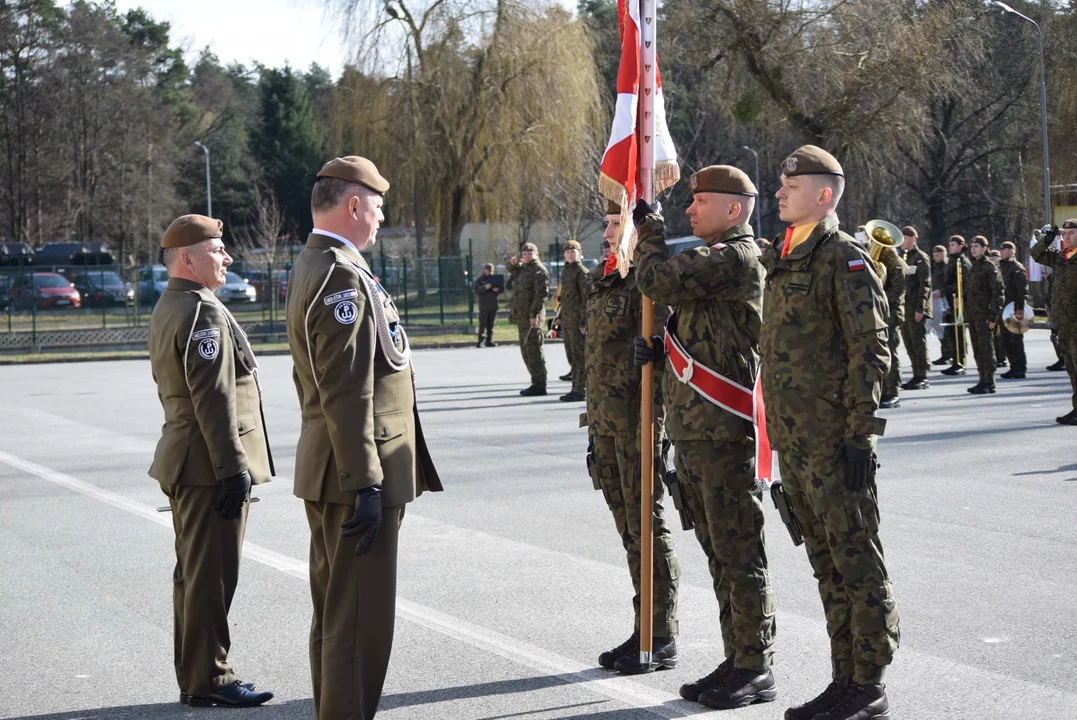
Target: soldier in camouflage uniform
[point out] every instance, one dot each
(1063, 264)
(1015, 285)
(939, 264)
(824, 348)
(958, 263)
(613, 414)
(983, 306)
(575, 285)
(917, 307)
(894, 287)
(717, 289)
(530, 288)
(1052, 321)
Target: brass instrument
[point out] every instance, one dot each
(881, 235)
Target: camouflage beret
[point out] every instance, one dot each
(910, 231)
(938, 248)
(573, 245)
(724, 179)
(190, 230)
(355, 169)
(959, 239)
(980, 240)
(612, 208)
(1008, 246)
(1070, 224)
(811, 160)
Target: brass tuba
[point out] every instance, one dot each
(881, 235)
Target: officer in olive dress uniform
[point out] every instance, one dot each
(213, 447)
(824, 347)
(717, 289)
(361, 455)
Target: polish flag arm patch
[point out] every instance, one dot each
(857, 265)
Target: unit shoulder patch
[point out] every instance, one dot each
(207, 333)
(208, 349)
(345, 312)
(857, 265)
(341, 296)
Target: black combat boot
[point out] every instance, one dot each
(982, 388)
(1002, 363)
(567, 377)
(917, 383)
(573, 397)
(533, 391)
(830, 697)
(942, 361)
(663, 657)
(861, 702)
(1060, 365)
(1069, 418)
(741, 689)
(490, 343)
(890, 401)
(1013, 375)
(480, 343)
(691, 691)
(629, 647)
(954, 369)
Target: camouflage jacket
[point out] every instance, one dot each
(575, 284)
(717, 290)
(530, 288)
(1063, 285)
(1014, 282)
(614, 308)
(983, 291)
(824, 342)
(917, 282)
(894, 285)
(950, 279)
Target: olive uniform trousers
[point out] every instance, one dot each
(208, 551)
(914, 335)
(983, 349)
(351, 636)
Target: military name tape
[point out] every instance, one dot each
(209, 333)
(340, 296)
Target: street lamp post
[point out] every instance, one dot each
(758, 199)
(1043, 105)
(209, 195)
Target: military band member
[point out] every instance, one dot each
(361, 455)
(939, 264)
(213, 447)
(530, 288)
(488, 294)
(917, 308)
(575, 285)
(824, 356)
(1015, 284)
(717, 289)
(894, 287)
(983, 306)
(1063, 264)
(957, 264)
(995, 256)
(614, 308)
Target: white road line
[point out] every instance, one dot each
(618, 688)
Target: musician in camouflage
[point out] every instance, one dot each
(530, 288)
(983, 306)
(894, 287)
(613, 312)
(575, 285)
(1015, 289)
(824, 356)
(917, 308)
(957, 266)
(717, 290)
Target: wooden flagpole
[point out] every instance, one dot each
(646, 123)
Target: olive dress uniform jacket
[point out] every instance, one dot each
(214, 427)
(360, 424)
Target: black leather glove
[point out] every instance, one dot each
(234, 492)
(1050, 234)
(643, 209)
(367, 519)
(641, 354)
(860, 463)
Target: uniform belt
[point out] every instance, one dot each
(727, 394)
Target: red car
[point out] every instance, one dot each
(48, 290)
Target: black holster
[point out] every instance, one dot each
(592, 464)
(785, 511)
(676, 492)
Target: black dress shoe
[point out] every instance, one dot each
(830, 697)
(629, 647)
(1013, 375)
(533, 391)
(663, 657)
(889, 402)
(954, 370)
(861, 702)
(691, 691)
(567, 378)
(185, 697)
(917, 383)
(573, 397)
(234, 695)
(741, 689)
(942, 361)
(1060, 365)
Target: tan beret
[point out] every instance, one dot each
(722, 179)
(959, 239)
(938, 248)
(1008, 246)
(980, 240)
(811, 160)
(910, 231)
(612, 208)
(190, 230)
(1070, 224)
(355, 169)
(573, 245)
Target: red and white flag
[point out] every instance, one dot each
(636, 124)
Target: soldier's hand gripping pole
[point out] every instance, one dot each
(785, 511)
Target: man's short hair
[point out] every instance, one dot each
(836, 183)
(747, 205)
(170, 256)
(329, 192)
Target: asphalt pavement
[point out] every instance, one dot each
(513, 580)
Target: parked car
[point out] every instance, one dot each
(16, 254)
(74, 253)
(257, 279)
(47, 290)
(101, 287)
(236, 289)
(152, 283)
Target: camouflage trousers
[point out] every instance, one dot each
(1013, 344)
(1055, 343)
(954, 346)
(983, 349)
(841, 535)
(574, 347)
(914, 335)
(1067, 341)
(531, 340)
(892, 381)
(617, 459)
(719, 485)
